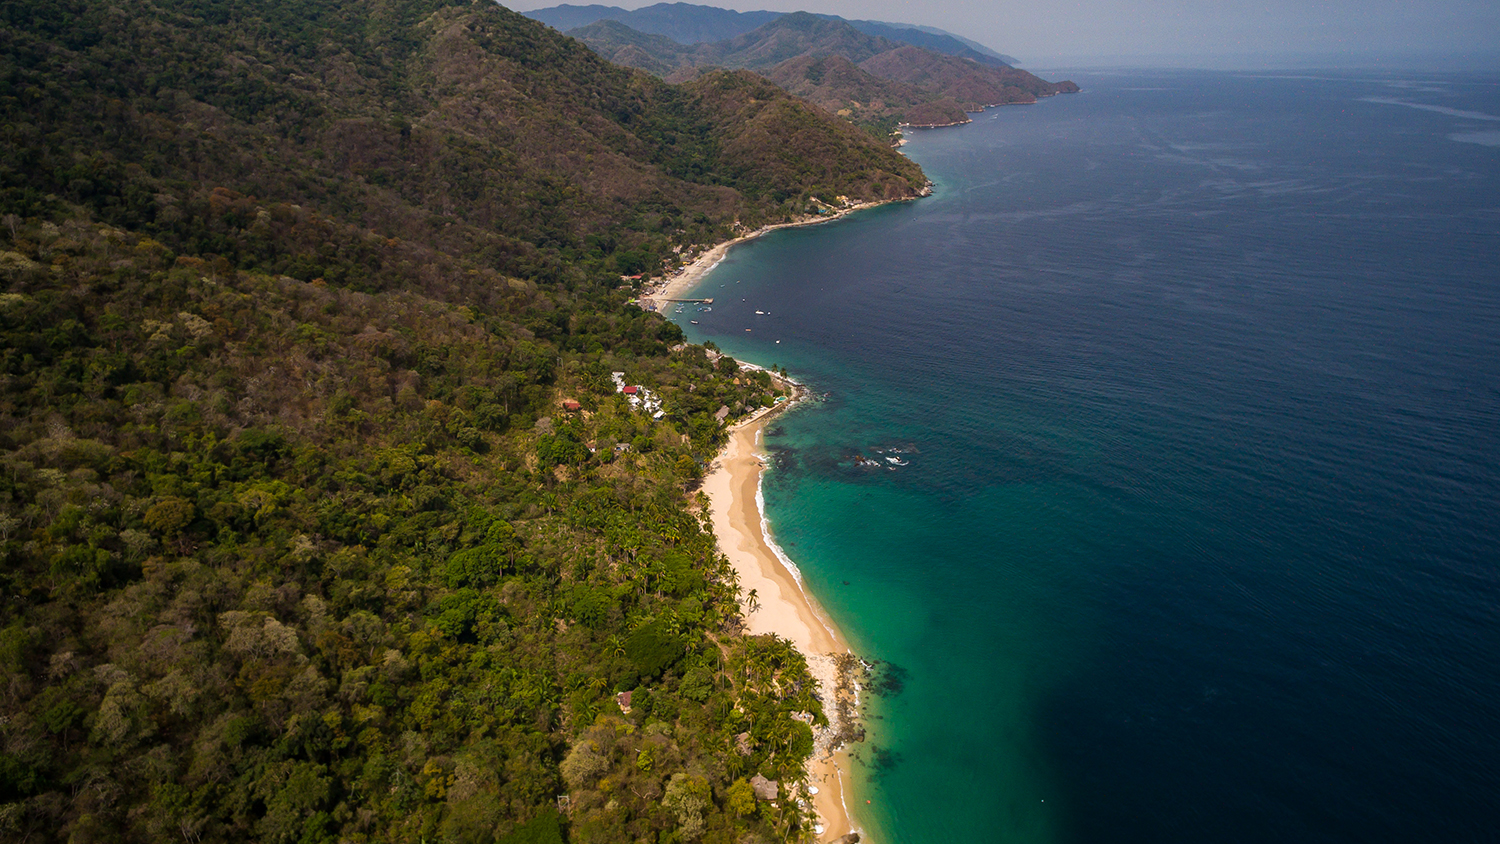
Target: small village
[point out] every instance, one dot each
(639, 397)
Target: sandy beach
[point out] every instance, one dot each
(680, 284)
(784, 608)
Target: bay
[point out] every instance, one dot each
(1184, 395)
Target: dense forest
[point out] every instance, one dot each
(301, 536)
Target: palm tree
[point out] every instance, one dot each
(672, 621)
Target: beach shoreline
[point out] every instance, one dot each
(783, 606)
(681, 283)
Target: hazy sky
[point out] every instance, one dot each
(1058, 32)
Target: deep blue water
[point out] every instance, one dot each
(1197, 382)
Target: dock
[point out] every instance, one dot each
(691, 301)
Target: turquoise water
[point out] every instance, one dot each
(1185, 393)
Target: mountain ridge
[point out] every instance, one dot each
(895, 83)
(690, 24)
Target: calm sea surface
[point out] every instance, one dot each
(1185, 395)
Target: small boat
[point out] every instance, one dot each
(760, 313)
(695, 322)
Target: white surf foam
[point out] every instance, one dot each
(765, 530)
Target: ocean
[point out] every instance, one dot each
(1157, 461)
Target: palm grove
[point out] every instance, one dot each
(298, 542)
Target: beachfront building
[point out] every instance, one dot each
(639, 397)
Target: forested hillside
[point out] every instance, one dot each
(475, 130)
(842, 87)
(299, 540)
(871, 80)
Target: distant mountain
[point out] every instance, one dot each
(876, 82)
(842, 87)
(800, 34)
(687, 23)
(973, 85)
(622, 45)
(938, 42)
(967, 42)
(818, 69)
(787, 37)
(568, 16)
